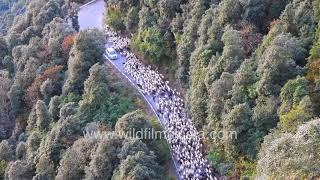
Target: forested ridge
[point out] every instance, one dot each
(249, 66)
(8, 10)
(57, 92)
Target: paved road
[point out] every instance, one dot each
(91, 16)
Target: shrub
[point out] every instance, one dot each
(115, 18)
(150, 43)
(3, 166)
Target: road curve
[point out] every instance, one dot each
(91, 16)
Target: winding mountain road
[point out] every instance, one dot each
(91, 15)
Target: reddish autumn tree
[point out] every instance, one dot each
(67, 43)
(250, 38)
(275, 23)
(314, 70)
(52, 73)
(43, 53)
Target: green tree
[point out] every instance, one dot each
(54, 107)
(73, 15)
(284, 155)
(7, 63)
(132, 20)
(279, 63)
(265, 115)
(296, 105)
(46, 90)
(218, 93)
(133, 122)
(6, 124)
(19, 170)
(60, 137)
(260, 12)
(76, 158)
(139, 166)
(115, 18)
(104, 159)
(44, 168)
(147, 18)
(230, 11)
(68, 109)
(186, 45)
(3, 49)
(43, 116)
(304, 24)
(6, 152)
(297, 115)
(150, 43)
(99, 103)
(21, 150)
(33, 143)
(16, 99)
(3, 166)
(132, 146)
(88, 50)
(239, 120)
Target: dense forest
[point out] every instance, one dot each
(249, 66)
(55, 91)
(8, 10)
